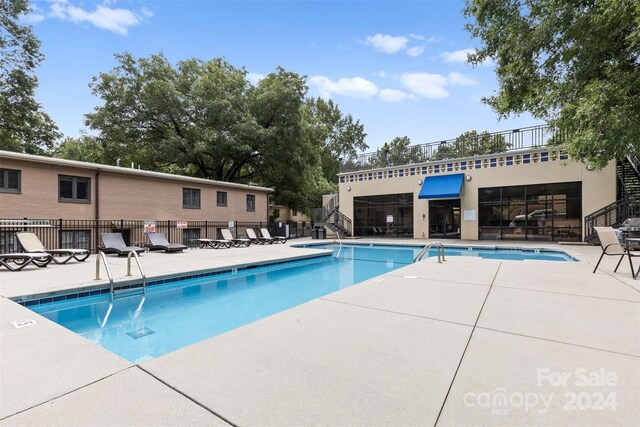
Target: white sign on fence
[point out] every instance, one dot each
(181, 224)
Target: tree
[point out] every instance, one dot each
(85, 149)
(24, 127)
(338, 135)
(574, 64)
(398, 152)
(472, 143)
(204, 119)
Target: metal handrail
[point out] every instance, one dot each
(439, 247)
(144, 276)
(106, 267)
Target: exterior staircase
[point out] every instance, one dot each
(627, 205)
(329, 216)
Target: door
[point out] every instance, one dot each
(444, 219)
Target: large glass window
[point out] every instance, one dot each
(531, 212)
(384, 215)
(74, 189)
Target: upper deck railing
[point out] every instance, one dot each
(481, 143)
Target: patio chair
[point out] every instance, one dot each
(275, 239)
(21, 260)
(213, 243)
(226, 235)
(113, 243)
(258, 240)
(611, 246)
(158, 242)
(31, 244)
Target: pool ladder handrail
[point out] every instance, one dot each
(340, 242)
(439, 248)
(102, 255)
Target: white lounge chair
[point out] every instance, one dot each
(258, 240)
(21, 260)
(31, 244)
(226, 235)
(275, 239)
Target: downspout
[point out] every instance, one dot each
(97, 210)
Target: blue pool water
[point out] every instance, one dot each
(175, 315)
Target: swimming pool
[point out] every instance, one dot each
(183, 312)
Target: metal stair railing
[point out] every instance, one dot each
(103, 257)
(611, 215)
(439, 247)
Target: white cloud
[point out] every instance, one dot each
(34, 17)
(433, 39)
(394, 95)
(459, 79)
(381, 73)
(387, 43)
(416, 36)
(459, 56)
(415, 51)
(426, 85)
(254, 78)
(116, 20)
(355, 87)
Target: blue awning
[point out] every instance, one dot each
(442, 187)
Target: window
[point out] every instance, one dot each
(76, 239)
(531, 212)
(189, 234)
(9, 181)
(221, 198)
(191, 198)
(294, 212)
(74, 189)
(251, 203)
(8, 242)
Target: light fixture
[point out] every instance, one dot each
(590, 167)
(348, 188)
(424, 216)
(419, 182)
(468, 177)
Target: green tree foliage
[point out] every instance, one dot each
(24, 127)
(471, 143)
(573, 63)
(338, 135)
(203, 118)
(85, 149)
(398, 152)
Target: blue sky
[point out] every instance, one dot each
(396, 66)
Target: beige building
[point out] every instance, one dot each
(36, 187)
(531, 194)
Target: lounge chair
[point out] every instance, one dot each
(39, 259)
(213, 244)
(113, 243)
(274, 239)
(258, 240)
(611, 246)
(226, 235)
(157, 241)
(31, 244)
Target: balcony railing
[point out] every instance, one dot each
(503, 141)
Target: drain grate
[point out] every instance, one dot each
(141, 333)
(23, 323)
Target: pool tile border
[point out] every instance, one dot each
(68, 296)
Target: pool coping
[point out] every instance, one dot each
(457, 246)
(87, 290)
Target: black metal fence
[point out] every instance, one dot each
(482, 143)
(85, 234)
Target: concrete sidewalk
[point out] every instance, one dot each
(466, 342)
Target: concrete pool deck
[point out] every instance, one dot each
(466, 342)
